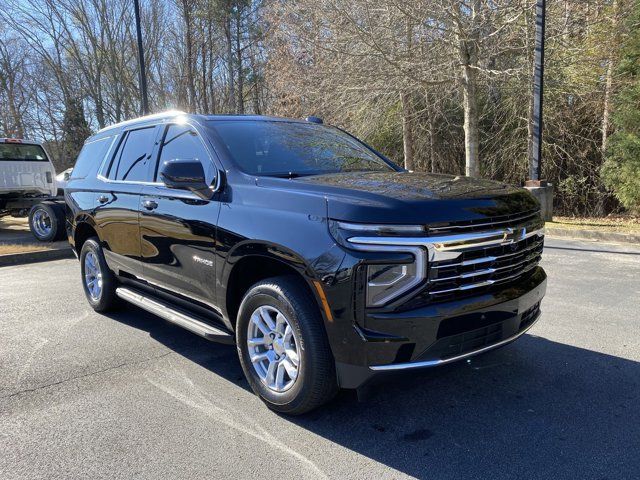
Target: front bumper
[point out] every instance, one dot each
(443, 333)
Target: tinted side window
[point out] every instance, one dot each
(132, 160)
(182, 141)
(91, 157)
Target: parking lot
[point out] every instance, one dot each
(84, 395)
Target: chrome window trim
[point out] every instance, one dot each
(127, 182)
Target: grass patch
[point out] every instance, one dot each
(8, 248)
(604, 224)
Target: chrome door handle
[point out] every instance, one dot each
(149, 204)
(103, 199)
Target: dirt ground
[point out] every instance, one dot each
(15, 237)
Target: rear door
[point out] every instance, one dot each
(117, 199)
(177, 227)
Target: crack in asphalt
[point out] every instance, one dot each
(78, 377)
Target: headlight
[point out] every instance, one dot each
(385, 282)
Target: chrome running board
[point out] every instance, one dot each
(163, 310)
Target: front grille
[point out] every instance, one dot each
(478, 264)
(470, 341)
(467, 258)
(529, 316)
(483, 267)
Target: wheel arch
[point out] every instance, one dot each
(252, 263)
(83, 230)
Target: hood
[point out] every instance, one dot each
(404, 197)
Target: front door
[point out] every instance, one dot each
(178, 228)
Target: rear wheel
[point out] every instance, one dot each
(283, 347)
(98, 281)
(46, 221)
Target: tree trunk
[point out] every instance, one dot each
(232, 90)
(256, 87)
(468, 52)
(188, 40)
(471, 134)
(530, 122)
(212, 87)
(407, 131)
(240, 88)
(606, 111)
(204, 77)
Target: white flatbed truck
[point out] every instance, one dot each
(28, 188)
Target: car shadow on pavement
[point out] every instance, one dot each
(533, 409)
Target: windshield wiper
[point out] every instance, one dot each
(288, 174)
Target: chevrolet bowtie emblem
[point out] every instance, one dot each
(512, 235)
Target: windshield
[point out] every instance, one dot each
(293, 148)
(16, 152)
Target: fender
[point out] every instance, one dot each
(314, 273)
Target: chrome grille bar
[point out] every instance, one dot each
(484, 283)
(487, 271)
(476, 261)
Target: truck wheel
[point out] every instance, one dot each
(98, 281)
(47, 222)
(283, 347)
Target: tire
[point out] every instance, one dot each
(47, 222)
(315, 382)
(105, 299)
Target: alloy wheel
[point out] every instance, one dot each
(273, 348)
(92, 275)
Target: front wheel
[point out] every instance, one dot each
(283, 347)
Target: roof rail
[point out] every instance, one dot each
(167, 113)
(313, 119)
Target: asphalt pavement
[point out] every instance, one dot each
(84, 395)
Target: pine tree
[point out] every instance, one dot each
(76, 131)
(621, 171)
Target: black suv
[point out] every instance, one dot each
(324, 262)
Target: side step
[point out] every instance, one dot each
(167, 312)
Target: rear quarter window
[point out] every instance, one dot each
(91, 157)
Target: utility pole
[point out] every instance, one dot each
(144, 99)
(542, 190)
(535, 165)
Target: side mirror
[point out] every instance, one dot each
(185, 174)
